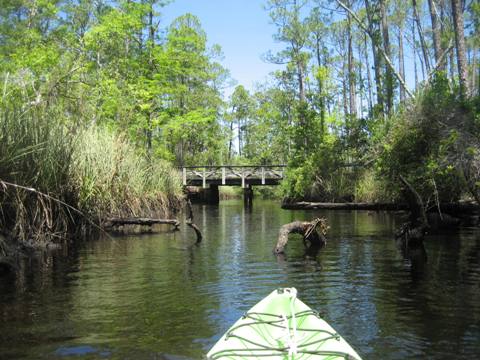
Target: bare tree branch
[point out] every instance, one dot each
(385, 56)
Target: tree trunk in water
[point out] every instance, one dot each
(457, 12)
(437, 44)
(415, 229)
(190, 223)
(305, 228)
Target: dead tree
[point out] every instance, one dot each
(308, 229)
(191, 224)
(416, 228)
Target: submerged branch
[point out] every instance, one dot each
(191, 224)
(306, 228)
(111, 222)
(197, 231)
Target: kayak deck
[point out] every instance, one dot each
(282, 327)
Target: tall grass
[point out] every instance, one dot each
(370, 188)
(35, 152)
(52, 170)
(110, 178)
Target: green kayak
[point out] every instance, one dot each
(282, 327)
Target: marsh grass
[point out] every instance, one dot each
(34, 152)
(111, 178)
(57, 176)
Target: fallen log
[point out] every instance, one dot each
(112, 222)
(308, 229)
(305, 205)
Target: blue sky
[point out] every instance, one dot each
(241, 27)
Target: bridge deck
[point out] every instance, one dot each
(232, 175)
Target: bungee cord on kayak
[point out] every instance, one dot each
(287, 333)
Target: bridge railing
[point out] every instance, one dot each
(225, 174)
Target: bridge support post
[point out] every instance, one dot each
(211, 195)
(248, 196)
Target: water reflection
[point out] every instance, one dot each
(310, 257)
(162, 296)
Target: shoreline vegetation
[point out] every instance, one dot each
(59, 180)
(100, 103)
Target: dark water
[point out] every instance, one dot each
(163, 297)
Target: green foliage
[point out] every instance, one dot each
(60, 166)
(195, 135)
(372, 188)
(321, 176)
(93, 90)
(421, 143)
(107, 76)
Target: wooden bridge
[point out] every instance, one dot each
(232, 175)
(209, 178)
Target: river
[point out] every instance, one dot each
(161, 296)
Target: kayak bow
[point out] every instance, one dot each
(282, 327)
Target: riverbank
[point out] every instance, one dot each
(460, 207)
(467, 212)
(59, 179)
(306, 205)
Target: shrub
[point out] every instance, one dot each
(423, 143)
